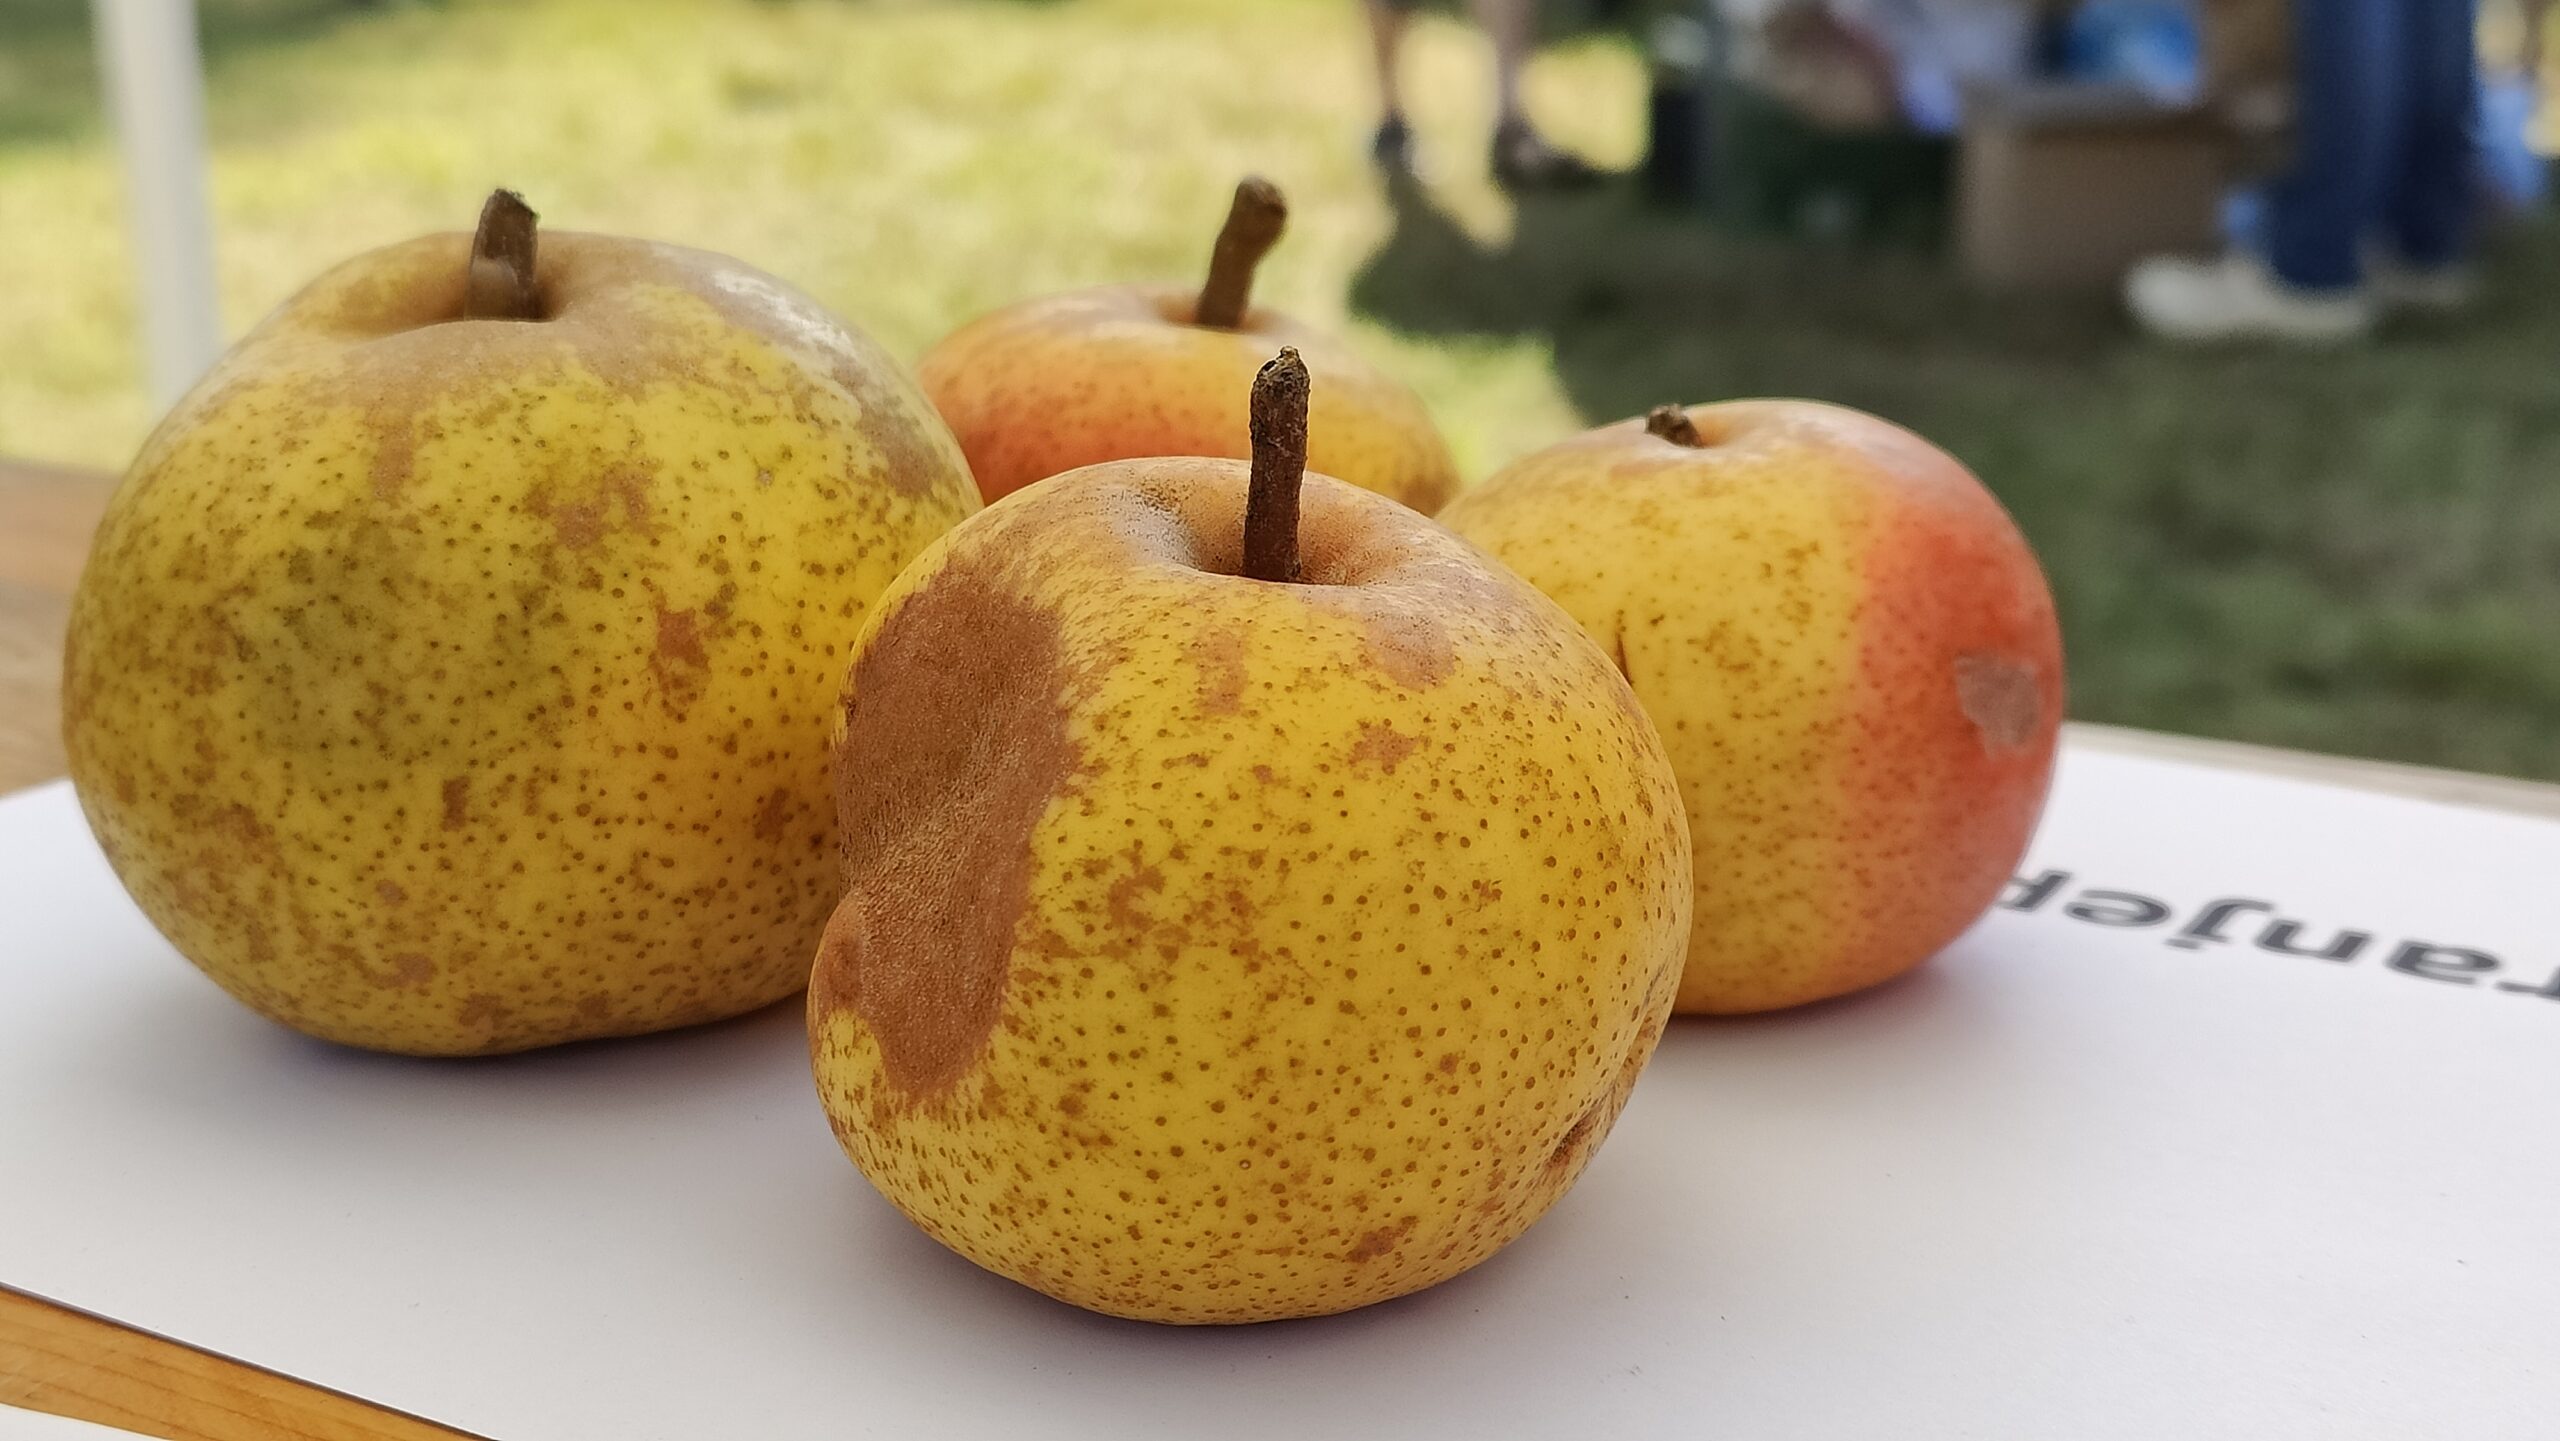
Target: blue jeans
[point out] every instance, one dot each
(2384, 99)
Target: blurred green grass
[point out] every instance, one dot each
(2356, 553)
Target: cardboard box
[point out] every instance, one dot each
(2067, 185)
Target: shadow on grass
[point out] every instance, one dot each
(1642, 306)
(2354, 550)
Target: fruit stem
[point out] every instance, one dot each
(1671, 423)
(1253, 226)
(500, 286)
(1279, 465)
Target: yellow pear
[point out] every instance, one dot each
(1117, 372)
(1258, 904)
(1853, 658)
(453, 670)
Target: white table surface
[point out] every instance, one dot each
(2069, 1181)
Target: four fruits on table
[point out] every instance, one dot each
(1241, 897)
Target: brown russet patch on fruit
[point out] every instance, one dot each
(680, 639)
(1219, 652)
(909, 462)
(1999, 696)
(774, 814)
(1382, 744)
(390, 892)
(1379, 1242)
(395, 448)
(1412, 647)
(616, 500)
(243, 827)
(679, 657)
(954, 745)
(576, 524)
(457, 802)
(482, 1009)
(1582, 1132)
(1122, 898)
(409, 968)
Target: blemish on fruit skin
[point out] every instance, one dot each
(395, 448)
(409, 968)
(680, 638)
(1999, 696)
(908, 461)
(937, 823)
(1379, 1242)
(1121, 900)
(1382, 745)
(1219, 652)
(774, 816)
(1413, 648)
(577, 524)
(457, 803)
(1578, 1134)
(481, 1009)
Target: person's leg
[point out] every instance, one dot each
(1392, 146)
(2428, 209)
(2347, 117)
(1521, 156)
(1387, 20)
(1509, 25)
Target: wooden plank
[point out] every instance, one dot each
(69, 1363)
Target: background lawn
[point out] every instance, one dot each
(2355, 553)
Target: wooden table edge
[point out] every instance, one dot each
(65, 1361)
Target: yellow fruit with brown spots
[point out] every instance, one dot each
(452, 686)
(1217, 950)
(1120, 372)
(1853, 658)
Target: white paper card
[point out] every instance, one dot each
(2074, 1180)
(17, 1424)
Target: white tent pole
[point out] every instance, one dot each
(155, 90)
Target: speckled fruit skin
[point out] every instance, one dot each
(1851, 653)
(1120, 372)
(1221, 951)
(453, 687)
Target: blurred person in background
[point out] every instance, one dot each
(2375, 212)
(1522, 158)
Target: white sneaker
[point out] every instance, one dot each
(2236, 298)
(2443, 290)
